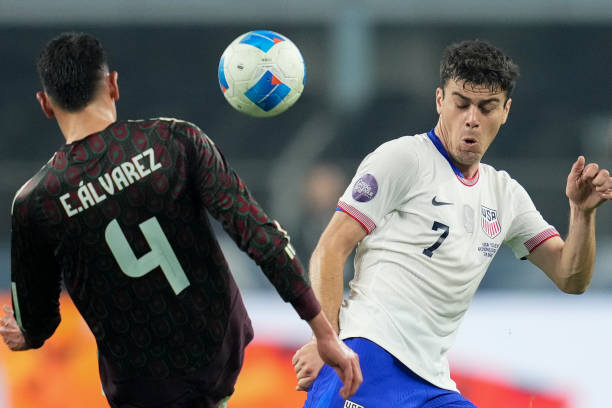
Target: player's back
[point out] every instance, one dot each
(122, 212)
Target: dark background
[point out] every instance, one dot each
(366, 83)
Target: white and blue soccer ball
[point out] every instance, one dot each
(262, 73)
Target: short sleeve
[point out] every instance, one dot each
(381, 183)
(528, 229)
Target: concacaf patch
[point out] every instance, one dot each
(365, 188)
(489, 221)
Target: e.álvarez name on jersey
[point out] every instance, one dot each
(113, 181)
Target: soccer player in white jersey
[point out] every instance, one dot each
(428, 217)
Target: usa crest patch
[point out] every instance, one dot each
(489, 221)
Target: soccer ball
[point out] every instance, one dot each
(262, 73)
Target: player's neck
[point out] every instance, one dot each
(94, 118)
(467, 170)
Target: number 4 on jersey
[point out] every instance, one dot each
(161, 254)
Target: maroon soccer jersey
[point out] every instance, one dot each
(121, 217)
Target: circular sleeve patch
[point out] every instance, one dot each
(365, 188)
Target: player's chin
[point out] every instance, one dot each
(469, 157)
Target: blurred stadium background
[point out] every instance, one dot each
(372, 68)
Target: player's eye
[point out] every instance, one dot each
(463, 106)
(486, 109)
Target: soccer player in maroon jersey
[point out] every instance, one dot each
(119, 214)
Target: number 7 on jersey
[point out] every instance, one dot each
(436, 226)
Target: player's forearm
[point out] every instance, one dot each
(326, 277)
(578, 254)
(321, 327)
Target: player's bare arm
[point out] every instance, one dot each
(327, 262)
(326, 276)
(570, 264)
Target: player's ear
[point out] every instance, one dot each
(439, 98)
(506, 110)
(113, 85)
(45, 104)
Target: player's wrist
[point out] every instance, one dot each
(321, 328)
(579, 211)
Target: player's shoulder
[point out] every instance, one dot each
(403, 147)
(172, 130)
(27, 194)
(411, 141)
(163, 122)
(493, 172)
(500, 177)
(399, 154)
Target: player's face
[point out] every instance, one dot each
(470, 117)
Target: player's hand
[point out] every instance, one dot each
(587, 185)
(344, 361)
(307, 363)
(337, 355)
(10, 332)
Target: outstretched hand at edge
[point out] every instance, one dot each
(588, 186)
(10, 331)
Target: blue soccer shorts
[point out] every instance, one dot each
(387, 383)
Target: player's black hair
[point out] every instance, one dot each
(478, 62)
(70, 67)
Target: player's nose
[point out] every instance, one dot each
(471, 120)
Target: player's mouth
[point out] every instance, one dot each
(470, 141)
(470, 144)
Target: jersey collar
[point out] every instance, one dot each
(438, 143)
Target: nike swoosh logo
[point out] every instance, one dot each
(439, 203)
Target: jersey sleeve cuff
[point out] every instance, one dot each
(306, 305)
(363, 220)
(539, 239)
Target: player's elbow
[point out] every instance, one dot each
(573, 287)
(575, 290)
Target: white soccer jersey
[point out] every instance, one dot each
(431, 237)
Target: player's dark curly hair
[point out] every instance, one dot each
(478, 62)
(70, 67)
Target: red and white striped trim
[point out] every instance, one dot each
(360, 217)
(539, 239)
(470, 181)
